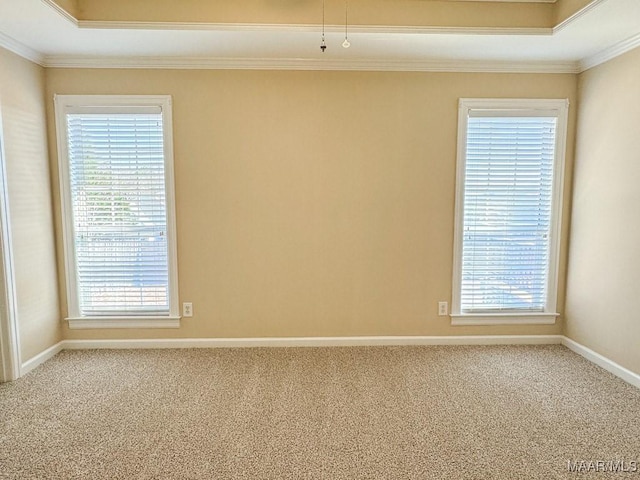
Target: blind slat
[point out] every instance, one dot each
(507, 213)
(118, 195)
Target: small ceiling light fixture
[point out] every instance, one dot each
(346, 43)
(323, 45)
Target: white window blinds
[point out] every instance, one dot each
(118, 199)
(507, 213)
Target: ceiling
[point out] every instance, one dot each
(413, 35)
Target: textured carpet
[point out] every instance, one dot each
(304, 413)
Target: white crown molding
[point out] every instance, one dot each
(572, 18)
(309, 64)
(61, 11)
(287, 27)
(610, 53)
(21, 49)
(62, 61)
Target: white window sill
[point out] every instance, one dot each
(123, 322)
(503, 318)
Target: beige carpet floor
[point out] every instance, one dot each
(514, 412)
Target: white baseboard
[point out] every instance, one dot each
(42, 357)
(602, 361)
(607, 364)
(314, 341)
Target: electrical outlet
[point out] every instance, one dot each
(443, 308)
(187, 309)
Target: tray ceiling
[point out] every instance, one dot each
(441, 35)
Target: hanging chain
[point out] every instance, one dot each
(323, 45)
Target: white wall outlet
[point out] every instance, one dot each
(443, 308)
(187, 309)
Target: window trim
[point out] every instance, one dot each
(508, 106)
(65, 104)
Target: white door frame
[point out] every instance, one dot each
(9, 336)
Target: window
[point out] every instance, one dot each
(508, 204)
(116, 176)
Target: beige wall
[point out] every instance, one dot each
(604, 267)
(361, 12)
(449, 13)
(25, 147)
(313, 203)
(443, 13)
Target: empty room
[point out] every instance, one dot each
(319, 239)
